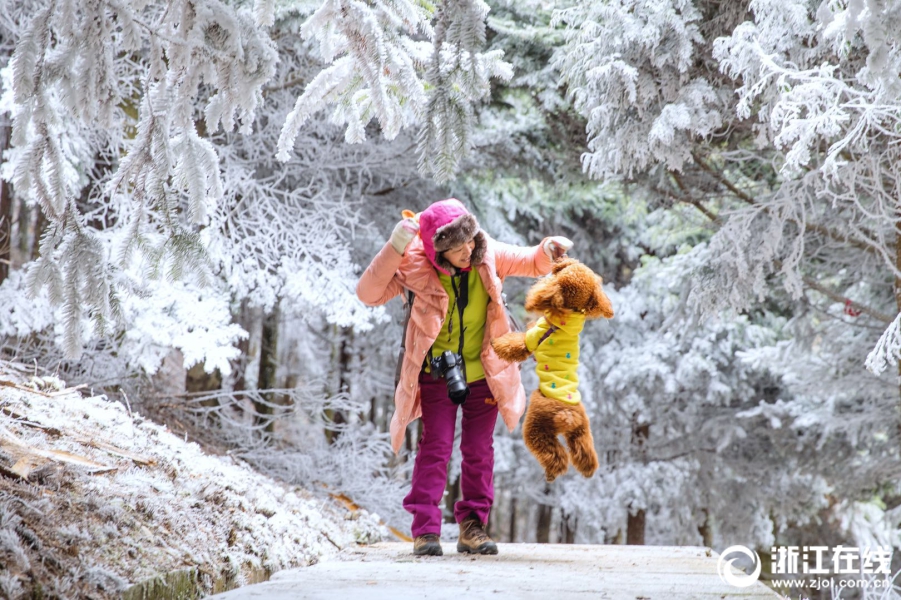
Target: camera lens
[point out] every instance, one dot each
(450, 367)
(457, 390)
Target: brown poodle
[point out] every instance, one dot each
(567, 297)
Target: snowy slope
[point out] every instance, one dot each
(94, 499)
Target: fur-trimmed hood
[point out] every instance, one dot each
(447, 224)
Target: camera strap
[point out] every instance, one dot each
(461, 299)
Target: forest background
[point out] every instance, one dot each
(190, 190)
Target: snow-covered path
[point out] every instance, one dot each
(521, 571)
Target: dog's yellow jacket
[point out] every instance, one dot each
(557, 357)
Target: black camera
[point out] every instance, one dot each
(450, 366)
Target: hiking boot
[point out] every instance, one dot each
(473, 539)
(427, 545)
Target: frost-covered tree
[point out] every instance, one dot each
(786, 146)
(155, 185)
(193, 220)
(825, 87)
(770, 126)
(107, 102)
(115, 107)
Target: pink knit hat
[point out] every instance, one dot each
(447, 224)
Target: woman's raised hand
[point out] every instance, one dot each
(557, 246)
(404, 232)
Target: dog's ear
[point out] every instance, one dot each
(544, 295)
(598, 304)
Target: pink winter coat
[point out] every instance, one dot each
(390, 274)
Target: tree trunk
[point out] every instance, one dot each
(568, 525)
(21, 225)
(635, 523)
(543, 528)
(247, 366)
(512, 526)
(268, 367)
(342, 359)
(898, 307)
(635, 528)
(248, 373)
(411, 439)
(706, 529)
(198, 380)
(6, 210)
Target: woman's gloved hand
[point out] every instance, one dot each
(403, 234)
(557, 246)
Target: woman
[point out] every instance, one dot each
(456, 273)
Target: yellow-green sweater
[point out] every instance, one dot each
(557, 357)
(475, 315)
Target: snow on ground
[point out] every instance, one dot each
(94, 499)
(388, 571)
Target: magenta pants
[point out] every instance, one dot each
(439, 417)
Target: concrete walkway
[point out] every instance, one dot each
(520, 571)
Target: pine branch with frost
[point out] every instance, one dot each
(205, 35)
(76, 280)
(196, 169)
(172, 249)
(376, 72)
(326, 87)
(25, 59)
(459, 74)
(374, 67)
(146, 166)
(813, 197)
(288, 242)
(808, 96)
(887, 350)
(264, 12)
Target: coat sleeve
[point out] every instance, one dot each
(521, 261)
(378, 284)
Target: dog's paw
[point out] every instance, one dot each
(511, 347)
(584, 458)
(555, 468)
